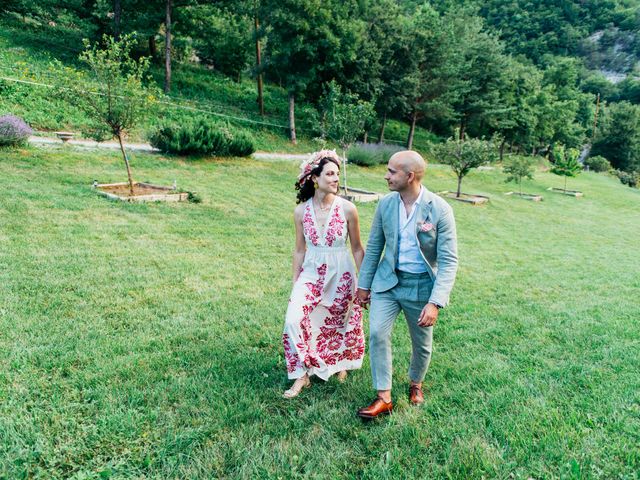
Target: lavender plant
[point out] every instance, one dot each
(13, 130)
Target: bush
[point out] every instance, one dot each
(203, 138)
(370, 154)
(628, 178)
(13, 130)
(598, 164)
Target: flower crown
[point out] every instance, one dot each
(309, 164)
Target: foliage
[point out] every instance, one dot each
(463, 155)
(370, 154)
(631, 179)
(432, 67)
(482, 66)
(13, 130)
(565, 162)
(112, 92)
(202, 138)
(619, 136)
(344, 115)
(222, 39)
(519, 167)
(597, 163)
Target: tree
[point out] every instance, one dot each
(618, 137)
(566, 162)
(308, 44)
(519, 167)
(481, 79)
(112, 93)
(463, 155)
(344, 117)
(517, 121)
(433, 71)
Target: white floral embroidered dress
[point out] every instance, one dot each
(323, 327)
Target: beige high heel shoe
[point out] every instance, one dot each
(297, 387)
(342, 376)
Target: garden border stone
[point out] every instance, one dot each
(175, 196)
(473, 199)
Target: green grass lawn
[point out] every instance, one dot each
(143, 341)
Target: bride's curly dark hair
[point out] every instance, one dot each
(305, 187)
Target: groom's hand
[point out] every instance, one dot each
(363, 297)
(428, 316)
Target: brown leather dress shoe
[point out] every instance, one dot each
(416, 397)
(378, 407)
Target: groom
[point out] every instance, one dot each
(417, 231)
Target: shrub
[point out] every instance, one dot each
(598, 164)
(628, 178)
(203, 138)
(370, 154)
(13, 130)
(240, 144)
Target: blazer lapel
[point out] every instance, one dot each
(425, 209)
(395, 228)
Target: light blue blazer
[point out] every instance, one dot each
(438, 246)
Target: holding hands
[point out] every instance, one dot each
(363, 298)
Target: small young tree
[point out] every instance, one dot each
(112, 93)
(463, 155)
(344, 117)
(519, 167)
(566, 162)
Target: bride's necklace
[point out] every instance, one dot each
(321, 207)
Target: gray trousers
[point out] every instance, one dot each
(410, 295)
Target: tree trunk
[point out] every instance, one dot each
(292, 118)
(117, 16)
(258, 68)
(167, 48)
(462, 127)
(365, 137)
(459, 186)
(126, 162)
(412, 130)
(153, 47)
(382, 127)
(504, 142)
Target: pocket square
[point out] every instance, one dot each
(426, 227)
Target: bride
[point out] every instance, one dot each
(323, 326)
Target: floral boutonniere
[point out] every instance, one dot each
(426, 227)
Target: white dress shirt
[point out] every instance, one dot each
(409, 257)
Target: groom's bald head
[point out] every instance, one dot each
(409, 161)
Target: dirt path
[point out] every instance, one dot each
(145, 147)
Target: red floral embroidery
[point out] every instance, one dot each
(315, 289)
(339, 336)
(356, 316)
(309, 227)
(334, 229)
(292, 358)
(330, 339)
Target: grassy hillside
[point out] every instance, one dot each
(27, 49)
(143, 341)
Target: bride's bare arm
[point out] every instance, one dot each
(353, 223)
(300, 248)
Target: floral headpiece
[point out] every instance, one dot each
(309, 164)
